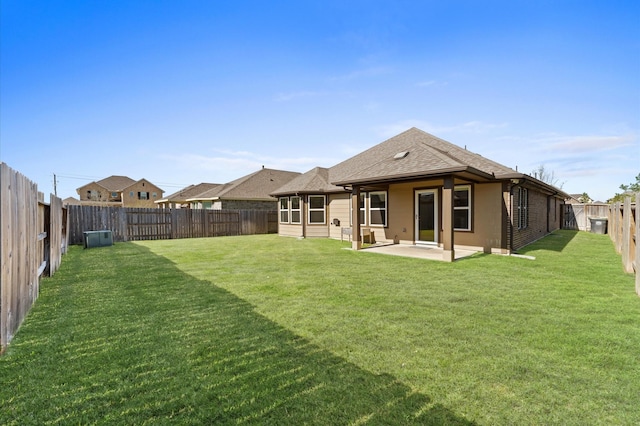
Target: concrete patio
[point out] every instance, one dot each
(417, 251)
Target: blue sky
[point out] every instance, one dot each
(182, 92)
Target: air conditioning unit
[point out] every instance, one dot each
(98, 238)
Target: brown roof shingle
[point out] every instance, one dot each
(255, 186)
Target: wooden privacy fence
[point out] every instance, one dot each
(624, 229)
(577, 216)
(33, 235)
(134, 224)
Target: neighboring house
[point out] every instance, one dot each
(179, 199)
(578, 199)
(120, 191)
(251, 192)
(418, 189)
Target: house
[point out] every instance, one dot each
(250, 192)
(120, 191)
(179, 199)
(418, 189)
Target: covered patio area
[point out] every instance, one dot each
(417, 251)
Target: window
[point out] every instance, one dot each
(154, 194)
(143, 195)
(114, 195)
(462, 208)
(316, 209)
(295, 210)
(378, 208)
(284, 210)
(373, 209)
(523, 208)
(131, 194)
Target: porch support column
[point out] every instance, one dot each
(356, 243)
(448, 253)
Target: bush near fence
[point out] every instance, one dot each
(33, 235)
(135, 224)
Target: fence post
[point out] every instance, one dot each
(636, 263)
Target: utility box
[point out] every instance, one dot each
(98, 238)
(598, 225)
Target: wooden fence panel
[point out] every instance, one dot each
(19, 253)
(624, 219)
(136, 224)
(577, 216)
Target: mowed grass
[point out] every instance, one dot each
(271, 330)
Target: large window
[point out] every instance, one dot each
(295, 210)
(317, 209)
(284, 210)
(378, 208)
(373, 209)
(462, 208)
(523, 207)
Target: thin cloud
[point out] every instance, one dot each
(285, 97)
(432, 83)
(467, 127)
(588, 143)
(362, 73)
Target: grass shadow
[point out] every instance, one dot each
(121, 335)
(556, 241)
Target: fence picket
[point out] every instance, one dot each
(135, 224)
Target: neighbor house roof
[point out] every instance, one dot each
(255, 186)
(116, 183)
(188, 192)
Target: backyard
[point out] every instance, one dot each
(271, 330)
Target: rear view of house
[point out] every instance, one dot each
(416, 188)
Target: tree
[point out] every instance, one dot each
(585, 199)
(627, 190)
(547, 176)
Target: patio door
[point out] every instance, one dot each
(426, 216)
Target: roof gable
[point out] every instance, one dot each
(116, 183)
(191, 191)
(425, 155)
(257, 185)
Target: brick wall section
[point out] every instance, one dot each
(544, 217)
(130, 200)
(247, 205)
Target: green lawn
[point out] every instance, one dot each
(271, 330)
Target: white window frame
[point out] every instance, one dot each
(312, 210)
(381, 209)
(467, 207)
(285, 210)
(292, 210)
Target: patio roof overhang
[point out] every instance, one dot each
(466, 173)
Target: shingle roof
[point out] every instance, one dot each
(190, 191)
(116, 183)
(314, 181)
(422, 155)
(255, 186)
(425, 155)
